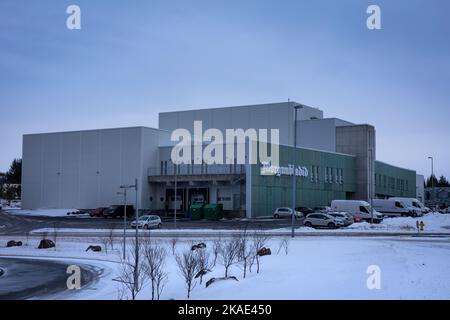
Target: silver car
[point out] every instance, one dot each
(346, 217)
(285, 212)
(147, 222)
(323, 220)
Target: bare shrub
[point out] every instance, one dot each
(284, 245)
(204, 263)
(173, 243)
(216, 247)
(188, 265)
(229, 253)
(260, 239)
(105, 242)
(245, 250)
(155, 258)
(131, 273)
(111, 228)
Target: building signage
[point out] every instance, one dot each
(267, 169)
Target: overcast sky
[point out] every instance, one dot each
(132, 60)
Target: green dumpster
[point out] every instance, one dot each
(196, 212)
(213, 211)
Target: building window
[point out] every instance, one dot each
(326, 175)
(317, 173)
(313, 173)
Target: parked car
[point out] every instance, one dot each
(97, 212)
(395, 208)
(304, 210)
(117, 211)
(344, 216)
(358, 209)
(147, 222)
(285, 212)
(323, 220)
(323, 209)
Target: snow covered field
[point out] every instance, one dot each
(314, 268)
(44, 212)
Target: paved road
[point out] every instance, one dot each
(35, 279)
(11, 224)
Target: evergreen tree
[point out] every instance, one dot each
(14, 175)
(443, 182)
(432, 181)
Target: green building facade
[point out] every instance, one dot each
(392, 181)
(326, 176)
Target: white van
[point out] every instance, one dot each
(395, 208)
(412, 202)
(357, 208)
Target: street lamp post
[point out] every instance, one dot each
(124, 218)
(294, 178)
(371, 174)
(432, 172)
(125, 188)
(432, 180)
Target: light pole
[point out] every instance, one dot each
(124, 218)
(371, 173)
(125, 188)
(432, 173)
(432, 180)
(294, 178)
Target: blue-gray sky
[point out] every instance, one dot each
(132, 60)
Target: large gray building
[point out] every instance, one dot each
(84, 169)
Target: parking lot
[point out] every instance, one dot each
(19, 225)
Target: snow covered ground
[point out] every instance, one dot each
(314, 268)
(44, 212)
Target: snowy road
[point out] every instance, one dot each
(36, 279)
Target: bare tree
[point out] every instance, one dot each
(173, 243)
(161, 281)
(188, 264)
(131, 273)
(111, 228)
(260, 239)
(155, 257)
(204, 263)
(245, 250)
(105, 242)
(229, 253)
(284, 245)
(217, 246)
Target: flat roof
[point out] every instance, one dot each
(241, 106)
(90, 130)
(391, 165)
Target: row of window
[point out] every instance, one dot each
(332, 175)
(391, 183)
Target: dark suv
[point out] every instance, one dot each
(117, 211)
